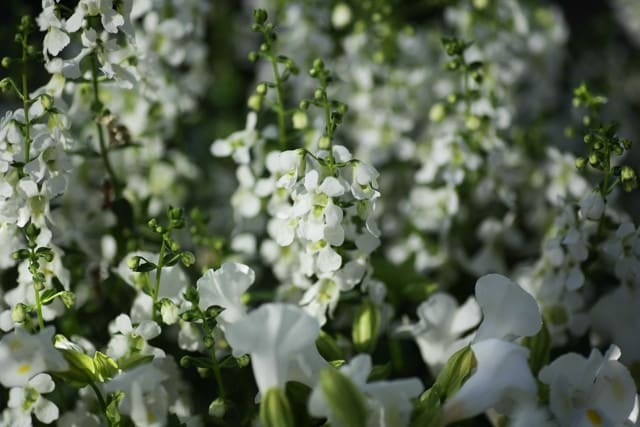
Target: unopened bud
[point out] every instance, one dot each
(275, 410)
(366, 326)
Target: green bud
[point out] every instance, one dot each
(153, 223)
(47, 101)
(185, 361)
(453, 65)
(304, 104)
(343, 108)
(5, 84)
(168, 311)
(20, 313)
(452, 98)
(346, 402)
(318, 64)
(6, 62)
(21, 254)
(324, 142)
(261, 89)
(300, 120)
(480, 4)
(586, 120)
(32, 231)
(253, 56)
(328, 347)
(134, 262)
(626, 144)
(187, 258)
(191, 295)
(255, 102)
(437, 112)
(473, 122)
(68, 298)
(318, 94)
(174, 246)
(218, 408)
(256, 28)
(275, 410)
(208, 342)
(264, 47)
(366, 326)
(45, 253)
(539, 346)
(581, 163)
(626, 173)
(593, 159)
(260, 16)
(175, 214)
(456, 371)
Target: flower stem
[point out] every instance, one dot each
(103, 146)
(101, 401)
(156, 286)
(279, 107)
(25, 102)
(216, 366)
(36, 291)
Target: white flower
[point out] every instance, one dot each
(594, 391)
(440, 326)
(146, 400)
(125, 338)
(592, 206)
(22, 356)
(621, 328)
(29, 399)
(502, 380)
(238, 144)
(509, 311)
(278, 337)
(224, 287)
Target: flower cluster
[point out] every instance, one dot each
(177, 249)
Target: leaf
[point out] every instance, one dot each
(539, 346)
(133, 360)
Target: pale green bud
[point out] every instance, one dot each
(300, 120)
(366, 326)
(437, 112)
(217, 408)
(324, 142)
(275, 410)
(255, 102)
(346, 402)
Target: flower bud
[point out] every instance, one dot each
(366, 326)
(134, 262)
(217, 408)
(47, 101)
(261, 89)
(255, 102)
(346, 402)
(275, 410)
(260, 16)
(6, 62)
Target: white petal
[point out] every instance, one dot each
(328, 260)
(509, 311)
(55, 40)
(46, 411)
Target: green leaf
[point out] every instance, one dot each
(345, 401)
(111, 411)
(455, 372)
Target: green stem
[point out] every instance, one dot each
(216, 367)
(104, 154)
(282, 129)
(38, 306)
(156, 286)
(25, 102)
(101, 401)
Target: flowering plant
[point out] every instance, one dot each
(390, 228)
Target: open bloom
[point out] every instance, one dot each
(281, 341)
(594, 391)
(224, 287)
(442, 322)
(22, 356)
